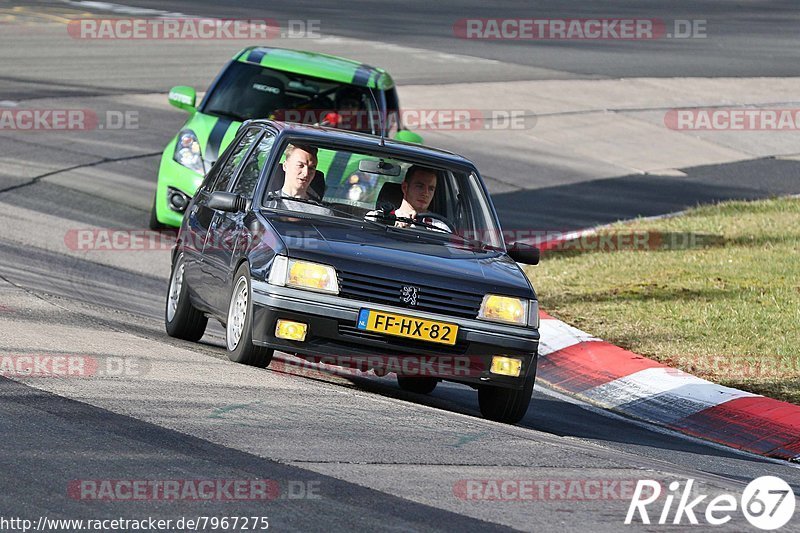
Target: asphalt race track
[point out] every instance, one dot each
(348, 452)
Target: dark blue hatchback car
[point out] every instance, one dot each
(394, 262)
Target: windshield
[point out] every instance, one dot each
(247, 91)
(437, 201)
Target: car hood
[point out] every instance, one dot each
(401, 255)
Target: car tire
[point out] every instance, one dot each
(181, 319)
(239, 325)
(154, 224)
(416, 384)
(505, 405)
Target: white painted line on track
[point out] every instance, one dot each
(557, 335)
(583, 404)
(666, 394)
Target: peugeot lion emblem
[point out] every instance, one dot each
(408, 295)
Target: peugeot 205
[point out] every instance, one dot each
(286, 258)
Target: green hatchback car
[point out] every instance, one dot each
(276, 83)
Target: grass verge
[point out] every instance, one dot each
(714, 292)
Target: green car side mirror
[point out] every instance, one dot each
(183, 97)
(408, 136)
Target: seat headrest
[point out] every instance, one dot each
(268, 85)
(390, 193)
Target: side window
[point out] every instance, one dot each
(248, 177)
(228, 170)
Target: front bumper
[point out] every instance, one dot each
(333, 338)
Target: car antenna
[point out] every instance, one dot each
(381, 116)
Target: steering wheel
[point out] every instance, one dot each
(436, 216)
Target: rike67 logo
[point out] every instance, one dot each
(767, 502)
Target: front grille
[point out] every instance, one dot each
(429, 298)
(398, 343)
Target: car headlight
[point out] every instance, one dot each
(303, 275)
(505, 309)
(187, 151)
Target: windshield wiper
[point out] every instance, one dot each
(475, 244)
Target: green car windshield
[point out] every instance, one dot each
(368, 187)
(247, 91)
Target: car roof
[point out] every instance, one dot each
(365, 141)
(317, 65)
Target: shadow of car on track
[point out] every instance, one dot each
(545, 414)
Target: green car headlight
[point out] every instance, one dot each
(187, 151)
(303, 275)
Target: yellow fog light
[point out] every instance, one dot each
(504, 309)
(313, 276)
(506, 366)
(290, 330)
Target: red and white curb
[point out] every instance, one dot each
(621, 381)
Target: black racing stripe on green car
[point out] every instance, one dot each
(255, 56)
(215, 139)
(362, 74)
(339, 164)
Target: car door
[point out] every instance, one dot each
(220, 257)
(204, 220)
(194, 234)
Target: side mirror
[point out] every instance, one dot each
(183, 97)
(523, 253)
(227, 201)
(408, 136)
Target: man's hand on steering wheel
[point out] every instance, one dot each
(435, 216)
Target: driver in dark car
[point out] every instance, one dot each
(418, 188)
